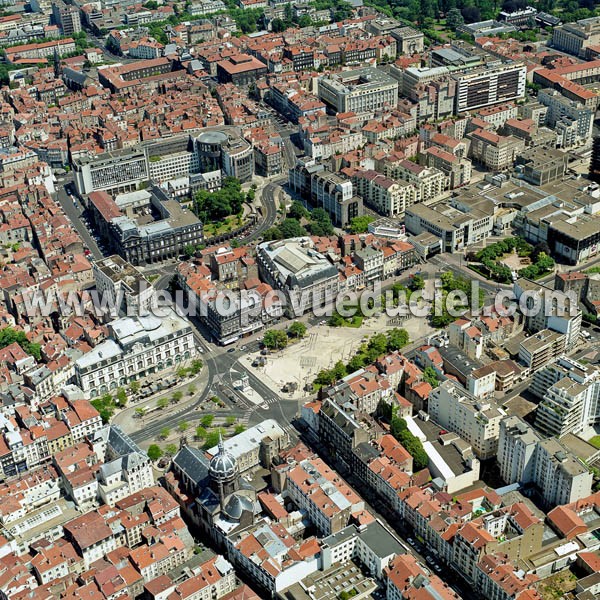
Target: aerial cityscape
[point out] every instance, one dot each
(299, 300)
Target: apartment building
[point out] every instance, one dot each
(539, 349)
(457, 170)
(124, 286)
(517, 446)
(496, 152)
(325, 497)
(429, 182)
(358, 90)
(568, 116)
(67, 17)
(387, 196)
(570, 397)
(136, 347)
(560, 477)
(490, 85)
(476, 421)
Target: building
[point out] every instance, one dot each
(539, 349)
(476, 421)
(67, 17)
(124, 286)
(136, 347)
(569, 392)
(479, 88)
(572, 120)
(496, 152)
(222, 149)
(456, 227)
(560, 477)
(541, 165)
(386, 196)
(296, 268)
(359, 90)
(241, 69)
(575, 38)
(124, 222)
(517, 446)
(335, 194)
(117, 171)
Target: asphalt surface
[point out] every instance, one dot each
(74, 215)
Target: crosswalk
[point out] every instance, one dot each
(272, 400)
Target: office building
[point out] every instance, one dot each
(336, 195)
(359, 90)
(575, 38)
(124, 222)
(296, 268)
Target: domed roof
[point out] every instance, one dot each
(223, 464)
(236, 505)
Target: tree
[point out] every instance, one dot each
(154, 452)
(196, 366)
(291, 228)
(191, 390)
(211, 440)
(454, 19)
(162, 403)
(207, 420)
(298, 211)
(134, 387)
(121, 396)
(181, 372)
(140, 412)
(430, 376)
(361, 224)
(239, 429)
(397, 339)
(278, 25)
(275, 339)
(230, 420)
(164, 433)
(200, 432)
(183, 426)
(544, 262)
(171, 449)
(189, 250)
(417, 282)
(177, 396)
(297, 329)
(471, 14)
(10, 336)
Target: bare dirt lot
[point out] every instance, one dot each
(322, 347)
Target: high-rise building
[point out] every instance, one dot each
(516, 450)
(594, 173)
(67, 17)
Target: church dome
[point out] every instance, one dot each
(236, 505)
(223, 464)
